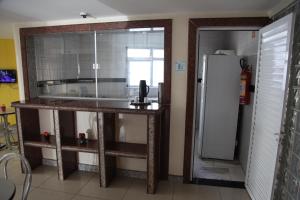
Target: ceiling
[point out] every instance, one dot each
(46, 10)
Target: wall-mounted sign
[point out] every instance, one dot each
(180, 65)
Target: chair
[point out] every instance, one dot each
(25, 166)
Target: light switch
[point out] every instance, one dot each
(180, 65)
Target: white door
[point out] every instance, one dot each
(269, 101)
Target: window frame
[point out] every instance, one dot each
(149, 59)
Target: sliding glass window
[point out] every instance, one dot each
(98, 64)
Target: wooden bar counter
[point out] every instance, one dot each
(66, 144)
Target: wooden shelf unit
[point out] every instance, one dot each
(67, 145)
(110, 149)
(123, 149)
(31, 142)
(39, 141)
(73, 144)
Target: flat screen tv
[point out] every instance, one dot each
(8, 76)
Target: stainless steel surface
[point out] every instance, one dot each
(202, 104)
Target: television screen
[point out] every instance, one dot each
(8, 76)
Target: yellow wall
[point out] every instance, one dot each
(8, 92)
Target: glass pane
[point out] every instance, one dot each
(125, 58)
(158, 72)
(158, 53)
(60, 65)
(139, 70)
(138, 53)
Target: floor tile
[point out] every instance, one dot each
(13, 168)
(80, 197)
(215, 173)
(42, 194)
(217, 169)
(237, 174)
(138, 191)
(195, 192)
(19, 190)
(71, 184)
(234, 194)
(39, 176)
(116, 190)
(205, 163)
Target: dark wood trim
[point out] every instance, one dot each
(222, 183)
(194, 24)
(24, 63)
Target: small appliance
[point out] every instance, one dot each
(143, 90)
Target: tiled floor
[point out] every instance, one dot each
(218, 169)
(85, 186)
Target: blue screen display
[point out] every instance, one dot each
(8, 76)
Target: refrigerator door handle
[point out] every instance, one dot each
(202, 104)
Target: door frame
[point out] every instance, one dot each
(194, 25)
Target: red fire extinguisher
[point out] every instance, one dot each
(245, 83)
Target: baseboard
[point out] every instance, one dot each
(49, 162)
(88, 168)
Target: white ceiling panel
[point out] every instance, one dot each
(44, 10)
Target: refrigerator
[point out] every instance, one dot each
(219, 106)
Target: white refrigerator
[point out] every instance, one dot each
(219, 106)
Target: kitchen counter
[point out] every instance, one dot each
(88, 105)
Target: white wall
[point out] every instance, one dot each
(6, 30)
(244, 42)
(209, 42)
(247, 120)
(179, 80)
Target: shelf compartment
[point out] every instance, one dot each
(131, 150)
(73, 144)
(39, 141)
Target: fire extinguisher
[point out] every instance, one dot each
(245, 83)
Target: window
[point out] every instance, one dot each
(145, 64)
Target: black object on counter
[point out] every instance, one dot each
(143, 90)
(82, 139)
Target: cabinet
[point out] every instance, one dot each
(67, 146)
